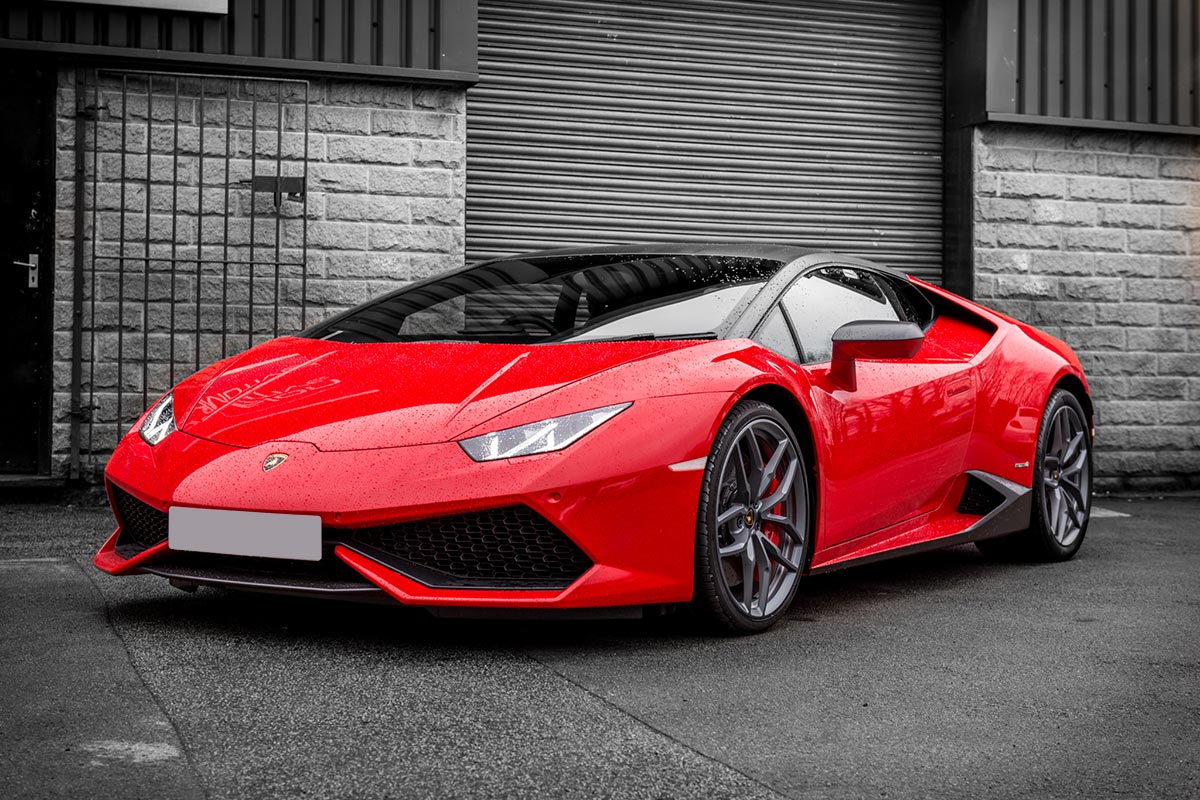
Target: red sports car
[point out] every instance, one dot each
(618, 429)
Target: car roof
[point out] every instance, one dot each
(774, 251)
(766, 250)
(794, 261)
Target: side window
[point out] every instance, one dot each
(913, 305)
(775, 335)
(823, 301)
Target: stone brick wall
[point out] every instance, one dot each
(1095, 237)
(386, 185)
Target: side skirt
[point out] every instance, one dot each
(1011, 516)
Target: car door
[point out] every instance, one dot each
(898, 441)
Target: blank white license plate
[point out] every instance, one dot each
(244, 533)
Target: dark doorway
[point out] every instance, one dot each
(26, 258)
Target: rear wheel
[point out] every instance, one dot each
(752, 529)
(1062, 487)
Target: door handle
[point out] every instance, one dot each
(957, 387)
(32, 266)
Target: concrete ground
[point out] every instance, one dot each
(943, 675)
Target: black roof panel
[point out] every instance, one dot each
(767, 250)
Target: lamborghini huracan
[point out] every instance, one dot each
(618, 430)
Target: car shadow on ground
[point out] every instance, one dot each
(268, 616)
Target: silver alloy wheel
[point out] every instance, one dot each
(761, 519)
(1065, 476)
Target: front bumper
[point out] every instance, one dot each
(613, 495)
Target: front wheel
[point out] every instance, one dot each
(1062, 486)
(752, 531)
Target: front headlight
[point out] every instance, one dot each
(159, 421)
(539, 437)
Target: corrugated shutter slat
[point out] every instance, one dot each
(810, 122)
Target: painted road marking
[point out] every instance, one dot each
(1107, 513)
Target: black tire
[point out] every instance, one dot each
(1061, 510)
(778, 535)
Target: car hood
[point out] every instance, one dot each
(340, 396)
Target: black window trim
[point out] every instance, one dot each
(791, 326)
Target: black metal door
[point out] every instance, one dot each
(26, 165)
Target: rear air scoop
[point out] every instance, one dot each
(362, 396)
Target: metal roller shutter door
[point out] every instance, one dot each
(814, 123)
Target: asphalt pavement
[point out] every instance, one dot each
(940, 675)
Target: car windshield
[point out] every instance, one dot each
(562, 299)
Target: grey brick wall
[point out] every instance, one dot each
(1095, 237)
(386, 186)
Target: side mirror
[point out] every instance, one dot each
(874, 341)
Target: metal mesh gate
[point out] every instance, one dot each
(195, 235)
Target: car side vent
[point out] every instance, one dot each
(978, 498)
(142, 525)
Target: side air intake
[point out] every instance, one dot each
(978, 498)
(142, 525)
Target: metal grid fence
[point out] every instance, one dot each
(195, 233)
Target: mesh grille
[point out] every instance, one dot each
(979, 498)
(142, 525)
(502, 547)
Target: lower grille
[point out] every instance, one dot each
(142, 525)
(499, 548)
(510, 547)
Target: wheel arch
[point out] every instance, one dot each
(1074, 385)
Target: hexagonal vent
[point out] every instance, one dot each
(511, 547)
(142, 525)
